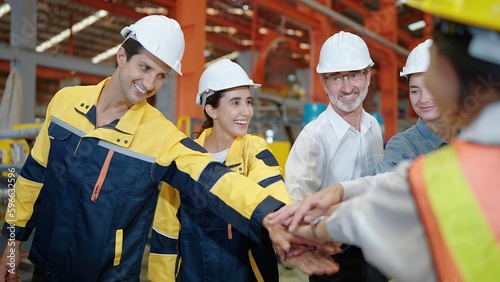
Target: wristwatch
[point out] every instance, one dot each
(315, 223)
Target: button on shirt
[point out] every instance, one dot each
(407, 145)
(329, 150)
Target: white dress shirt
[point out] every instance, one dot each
(329, 150)
(384, 221)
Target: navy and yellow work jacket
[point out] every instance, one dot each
(91, 192)
(210, 249)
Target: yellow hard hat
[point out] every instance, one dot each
(482, 13)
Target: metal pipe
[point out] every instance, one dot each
(345, 20)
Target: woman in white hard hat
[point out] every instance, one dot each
(436, 219)
(431, 130)
(210, 249)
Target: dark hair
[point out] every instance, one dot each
(213, 101)
(132, 47)
(472, 72)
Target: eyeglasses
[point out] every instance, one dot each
(352, 77)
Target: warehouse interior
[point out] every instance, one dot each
(58, 43)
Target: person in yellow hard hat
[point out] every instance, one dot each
(434, 219)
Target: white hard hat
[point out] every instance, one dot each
(161, 36)
(221, 75)
(418, 60)
(343, 51)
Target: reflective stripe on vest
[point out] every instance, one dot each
(457, 191)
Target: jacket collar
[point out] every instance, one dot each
(233, 157)
(127, 124)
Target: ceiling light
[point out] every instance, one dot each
(217, 29)
(263, 30)
(152, 10)
(4, 9)
(235, 11)
(304, 46)
(231, 30)
(230, 56)
(106, 54)
(246, 42)
(417, 25)
(74, 29)
(211, 12)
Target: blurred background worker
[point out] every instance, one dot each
(431, 131)
(436, 218)
(209, 248)
(343, 143)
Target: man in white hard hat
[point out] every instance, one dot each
(90, 183)
(343, 143)
(431, 130)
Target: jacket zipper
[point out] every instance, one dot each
(229, 232)
(102, 176)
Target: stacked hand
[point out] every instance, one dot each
(292, 235)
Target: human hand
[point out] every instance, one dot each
(317, 204)
(313, 263)
(10, 261)
(288, 244)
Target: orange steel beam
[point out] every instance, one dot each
(386, 24)
(192, 18)
(406, 20)
(428, 26)
(357, 7)
(290, 11)
(164, 3)
(405, 37)
(255, 69)
(225, 22)
(219, 40)
(317, 93)
(111, 8)
(55, 74)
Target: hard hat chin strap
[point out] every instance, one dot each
(204, 97)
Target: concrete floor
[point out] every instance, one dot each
(286, 275)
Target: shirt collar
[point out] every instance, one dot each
(342, 127)
(428, 134)
(484, 129)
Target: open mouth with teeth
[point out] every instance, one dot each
(140, 89)
(241, 122)
(348, 96)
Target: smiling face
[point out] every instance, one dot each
(232, 116)
(421, 99)
(349, 94)
(141, 76)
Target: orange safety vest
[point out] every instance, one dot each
(457, 191)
